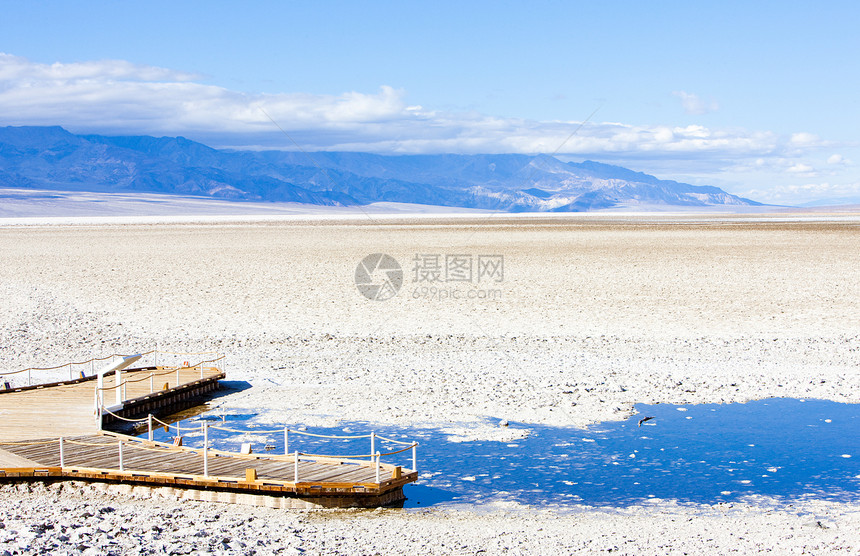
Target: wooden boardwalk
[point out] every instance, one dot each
(114, 457)
(52, 432)
(68, 409)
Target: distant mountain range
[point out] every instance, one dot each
(53, 158)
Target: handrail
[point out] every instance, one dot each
(78, 362)
(123, 442)
(205, 451)
(249, 431)
(329, 435)
(124, 418)
(167, 371)
(286, 429)
(408, 445)
(104, 358)
(170, 370)
(154, 418)
(394, 441)
(414, 444)
(164, 370)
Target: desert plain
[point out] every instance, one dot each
(591, 314)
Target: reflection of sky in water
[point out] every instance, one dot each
(694, 453)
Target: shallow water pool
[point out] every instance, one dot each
(694, 453)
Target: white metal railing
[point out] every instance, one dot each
(121, 389)
(80, 366)
(121, 385)
(374, 454)
(170, 364)
(87, 368)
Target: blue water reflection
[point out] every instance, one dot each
(694, 453)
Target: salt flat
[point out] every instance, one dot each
(592, 314)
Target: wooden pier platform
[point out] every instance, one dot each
(67, 408)
(312, 482)
(51, 432)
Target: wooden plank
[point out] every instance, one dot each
(317, 474)
(10, 460)
(354, 475)
(67, 409)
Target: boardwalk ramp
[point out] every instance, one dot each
(55, 430)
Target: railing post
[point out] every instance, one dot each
(372, 442)
(377, 467)
(29, 377)
(151, 383)
(71, 376)
(149, 427)
(118, 377)
(286, 441)
(205, 449)
(121, 466)
(177, 376)
(100, 383)
(62, 454)
(296, 467)
(98, 402)
(415, 456)
(201, 371)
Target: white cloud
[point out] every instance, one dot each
(803, 139)
(22, 70)
(805, 193)
(695, 105)
(836, 159)
(800, 168)
(115, 96)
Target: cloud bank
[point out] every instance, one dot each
(823, 192)
(118, 97)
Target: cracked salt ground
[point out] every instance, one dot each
(698, 453)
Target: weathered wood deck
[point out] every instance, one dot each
(97, 457)
(51, 432)
(67, 408)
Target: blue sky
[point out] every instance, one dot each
(758, 98)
